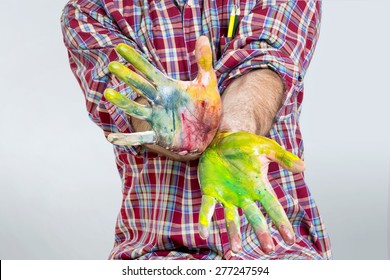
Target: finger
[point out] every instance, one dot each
(232, 219)
(140, 63)
(287, 160)
(205, 214)
(277, 214)
(129, 106)
(132, 139)
(203, 54)
(259, 225)
(137, 82)
(284, 158)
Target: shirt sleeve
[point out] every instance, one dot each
(90, 37)
(281, 36)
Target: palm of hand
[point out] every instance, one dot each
(233, 171)
(184, 115)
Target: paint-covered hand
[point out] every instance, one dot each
(233, 171)
(184, 115)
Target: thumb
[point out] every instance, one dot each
(287, 160)
(203, 54)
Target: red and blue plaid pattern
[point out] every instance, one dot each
(161, 197)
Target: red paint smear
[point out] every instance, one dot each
(192, 133)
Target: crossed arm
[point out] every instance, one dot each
(234, 164)
(250, 102)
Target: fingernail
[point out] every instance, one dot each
(266, 243)
(236, 248)
(269, 249)
(203, 232)
(287, 235)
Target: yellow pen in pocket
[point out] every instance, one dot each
(231, 22)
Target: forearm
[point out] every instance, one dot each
(251, 102)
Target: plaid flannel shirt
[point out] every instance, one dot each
(162, 197)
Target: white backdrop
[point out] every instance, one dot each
(59, 189)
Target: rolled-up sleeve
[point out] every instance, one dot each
(90, 37)
(279, 35)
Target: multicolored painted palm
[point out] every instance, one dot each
(184, 115)
(233, 171)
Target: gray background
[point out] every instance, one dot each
(59, 189)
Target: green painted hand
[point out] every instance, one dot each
(184, 115)
(233, 171)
